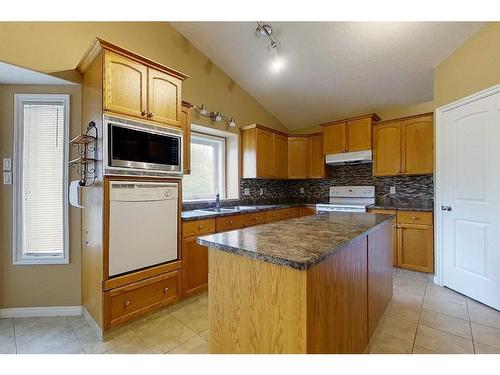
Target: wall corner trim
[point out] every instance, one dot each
(31, 312)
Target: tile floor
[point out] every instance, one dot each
(422, 318)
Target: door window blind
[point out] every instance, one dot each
(42, 179)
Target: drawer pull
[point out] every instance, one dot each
(231, 222)
(165, 291)
(127, 303)
(414, 218)
(200, 227)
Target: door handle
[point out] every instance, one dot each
(446, 208)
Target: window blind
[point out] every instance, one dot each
(42, 195)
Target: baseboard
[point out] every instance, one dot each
(90, 320)
(31, 312)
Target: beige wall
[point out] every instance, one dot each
(472, 67)
(57, 48)
(386, 114)
(54, 47)
(42, 285)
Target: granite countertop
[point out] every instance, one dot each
(404, 204)
(296, 243)
(201, 214)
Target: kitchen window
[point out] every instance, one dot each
(208, 168)
(41, 179)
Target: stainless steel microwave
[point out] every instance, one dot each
(136, 148)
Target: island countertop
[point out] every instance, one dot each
(296, 243)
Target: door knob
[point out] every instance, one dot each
(446, 208)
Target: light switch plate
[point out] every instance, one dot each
(7, 178)
(7, 164)
(392, 190)
(246, 191)
(301, 190)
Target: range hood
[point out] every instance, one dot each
(356, 157)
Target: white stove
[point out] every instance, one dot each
(348, 199)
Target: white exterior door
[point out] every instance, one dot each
(468, 184)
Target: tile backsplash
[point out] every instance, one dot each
(316, 191)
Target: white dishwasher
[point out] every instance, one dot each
(143, 219)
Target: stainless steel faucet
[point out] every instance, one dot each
(217, 202)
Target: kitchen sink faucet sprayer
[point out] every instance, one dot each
(217, 202)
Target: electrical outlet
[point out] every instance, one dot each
(246, 191)
(261, 191)
(301, 190)
(392, 190)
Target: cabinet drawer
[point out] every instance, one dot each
(198, 227)
(286, 214)
(381, 211)
(254, 219)
(129, 301)
(230, 222)
(272, 216)
(415, 217)
(306, 211)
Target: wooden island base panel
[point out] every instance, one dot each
(331, 304)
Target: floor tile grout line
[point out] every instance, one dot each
(470, 327)
(196, 334)
(419, 316)
(76, 334)
(14, 333)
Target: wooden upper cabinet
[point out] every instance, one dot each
(125, 84)
(298, 152)
(133, 85)
(316, 156)
(359, 135)
(334, 138)
(404, 146)
(387, 149)
(280, 156)
(164, 98)
(349, 135)
(264, 154)
(185, 122)
(417, 145)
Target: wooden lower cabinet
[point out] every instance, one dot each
(129, 301)
(306, 211)
(195, 266)
(412, 239)
(416, 247)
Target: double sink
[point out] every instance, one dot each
(229, 209)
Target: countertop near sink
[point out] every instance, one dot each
(404, 204)
(201, 214)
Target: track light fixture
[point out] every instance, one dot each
(215, 116)
(267, 31)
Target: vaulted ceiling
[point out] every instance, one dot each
(331, 69)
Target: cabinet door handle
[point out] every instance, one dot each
(143, 113)
(150, 114)
(446, 208)
(165, 290)
(200, 227)
(414, 218)
(231, 222)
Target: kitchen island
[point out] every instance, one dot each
(316, 284)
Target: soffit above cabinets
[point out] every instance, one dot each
(17, 75)
(332, 70)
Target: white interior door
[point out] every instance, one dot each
(469, 186)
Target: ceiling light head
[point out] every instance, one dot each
(203, 110)
(263, 30)
(216, 116)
